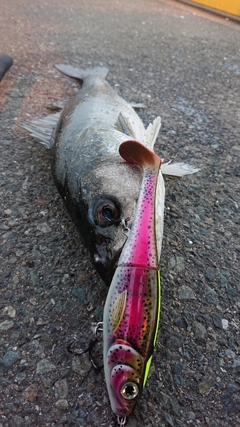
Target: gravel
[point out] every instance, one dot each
(184, 65)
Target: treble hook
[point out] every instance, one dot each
(121, 421)
(98, 327)
(89, 349)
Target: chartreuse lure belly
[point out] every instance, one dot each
(132, 308)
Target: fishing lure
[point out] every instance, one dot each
(132, 308)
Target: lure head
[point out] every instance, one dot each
(124, 376)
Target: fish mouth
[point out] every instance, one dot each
(104, 260)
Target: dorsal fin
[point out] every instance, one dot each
(136, 153)
(152, 132)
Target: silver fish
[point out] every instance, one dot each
(99, 189)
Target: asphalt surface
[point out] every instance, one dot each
(184, 65)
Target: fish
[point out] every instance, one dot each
(132, 308)
(100, 190)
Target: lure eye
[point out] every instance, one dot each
(129, 391)
(106, 212)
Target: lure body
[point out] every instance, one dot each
(132, 308)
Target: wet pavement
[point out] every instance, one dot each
(183, 64)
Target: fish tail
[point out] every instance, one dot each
(80, 74)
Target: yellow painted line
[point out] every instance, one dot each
(228, 6)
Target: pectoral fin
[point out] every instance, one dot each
(123, 126)
(43, 128)
(178, 169)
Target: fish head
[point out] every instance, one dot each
(125, 377)
(109, 195)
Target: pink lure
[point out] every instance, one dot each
(132, 308)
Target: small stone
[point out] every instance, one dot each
(223, 281)
(217, 320)
(80, 294)
(6, 325)
(179, 380)
(12, 260)
(9, 311)
(210, 273)
(164, 399)
(7, 211)
(211, 295)
(211, 423)
(176, 264)
(178, 368)
(236, 363)
(81, 365)
(20, 377)
(44, 228)
(232, 388)
(9, 358)
(224, 324)
(30, 393)
(80, 415)
(199, 331)
(47, 380)
(44, 366)
(190, 416)
(206, 385)
(176, 408)
(169, 419)
(33, 276)
(229, 353)
(186, 293)
(61, 389)
(232, 292)
(62, 404)
(18, 421)
(211, 346)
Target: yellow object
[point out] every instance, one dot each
(228, 6)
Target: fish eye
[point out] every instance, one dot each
(106, 212)
(129, 390)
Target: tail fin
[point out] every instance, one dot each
(135, 152)
(78, 73)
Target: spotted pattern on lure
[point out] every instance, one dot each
(132, 308)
